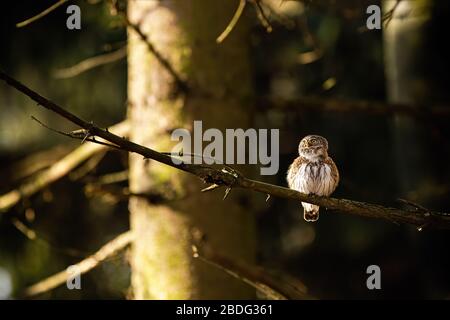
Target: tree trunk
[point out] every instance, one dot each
(184, 32)
(404, 52)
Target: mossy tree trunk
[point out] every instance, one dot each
(404, 49)
(184, 32)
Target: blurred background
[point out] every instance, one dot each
(319, 53)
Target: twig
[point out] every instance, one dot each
(108, 250)
(83, 135)
(33, 236)
(367, 107)
(111, 178)
(119, 193)
(234, 179)
(276, 288)
(262, 16)
(55, 172)
(233, 21)
(33, 163)
(90, 63)
(390, 14)
(87, 167)
(181, 84)
(27, 232)
(412, 204)
(40, 15)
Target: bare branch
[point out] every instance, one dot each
(87, 167)
(262, 16)
(233, 179)
(276, 287)
(390, 14)
(233, 21)
(40, 15)
(33, 163)
(33, 236)
(180, 83)
(362, 106)
(56, 171)
(108, 250)
(91, 63)
(120, 194)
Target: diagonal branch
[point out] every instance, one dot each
(232, 178)
(41, 14)
(233, 21)
(56, 171)
(262, 16)
(90, 63)
(362, 106)
(181, 84)
(108, 250)
(276, 287)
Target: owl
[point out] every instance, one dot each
(313, 172)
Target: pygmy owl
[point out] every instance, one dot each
(313, 172)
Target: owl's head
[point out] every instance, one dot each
(313, 147)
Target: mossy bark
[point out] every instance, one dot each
(404, 49)
(184, 32)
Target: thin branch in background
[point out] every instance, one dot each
(114, 194)
(313, 103)
(413, 205)
(83, 135)
(90, 63)
(87, 167)
(41, 14)
(33, 163)
(111, 178)
(56, 171)
(390, 14)
(233, 21)
(262, 16)
(310, 40)
(34, 236)
(180, 83)
(108, 250)
(234, 179)
(30, 234)
(274, 287)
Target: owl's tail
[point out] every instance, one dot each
(310, 212)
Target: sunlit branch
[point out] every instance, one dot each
(41, 14)
(233, 21)
(91, 63)
(106, 251)
(56, 171)
(390, 14)
(274, 287)
(34, 236)
(234, 179)
(261, 15)
(33, 163)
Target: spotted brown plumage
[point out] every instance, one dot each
(313, 172)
